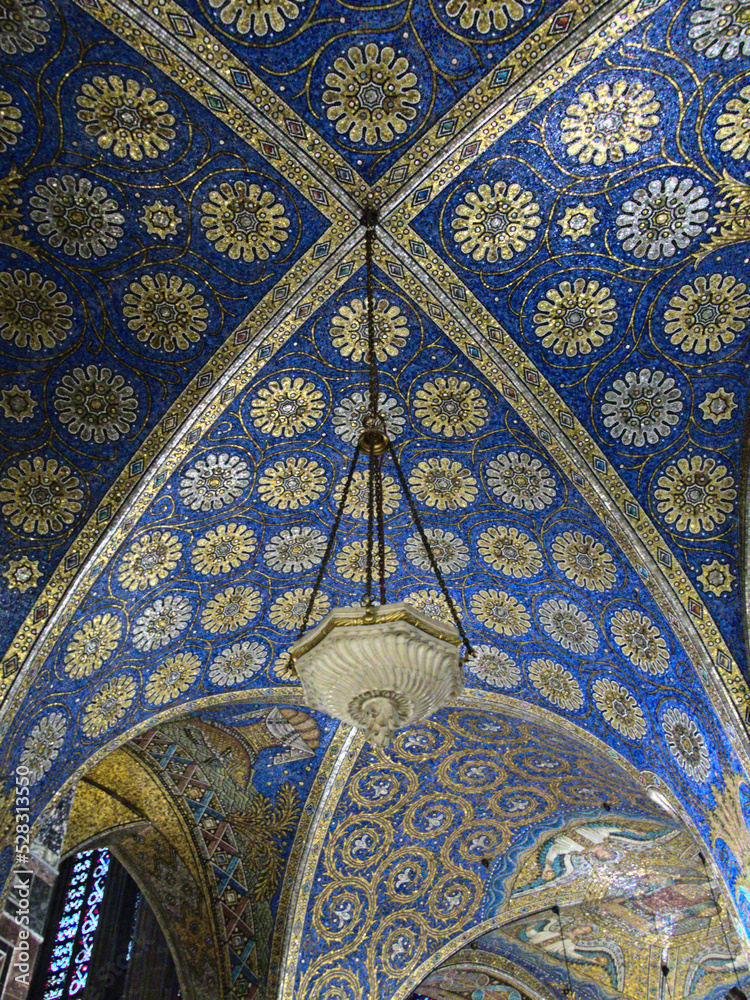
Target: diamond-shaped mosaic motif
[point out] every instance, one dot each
(156, 53)
(501, 76)
(295, 128)
(182, 25)
(561, 24)
(318, 195)
(447, 127)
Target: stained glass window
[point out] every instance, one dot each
(69, 962)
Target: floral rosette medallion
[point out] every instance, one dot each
(372, 94)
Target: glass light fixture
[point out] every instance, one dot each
(378, 666)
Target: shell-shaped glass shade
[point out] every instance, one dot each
(379, 669)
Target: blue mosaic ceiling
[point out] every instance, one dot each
(129, 316)
(431, 55)
(562, 313)
(207, 591)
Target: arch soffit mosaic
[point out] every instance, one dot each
(314, 907)
(125, 805)
(502, 970)
(619, 932)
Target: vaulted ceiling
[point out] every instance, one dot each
(562, 316)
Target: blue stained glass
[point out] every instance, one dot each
(88, 926)
(68, 967)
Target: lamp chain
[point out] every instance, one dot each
(374, 424)
(370, 519)
(381, 526)
(331, 540)
(370, 220)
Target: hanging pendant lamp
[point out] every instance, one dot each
(378, 666)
